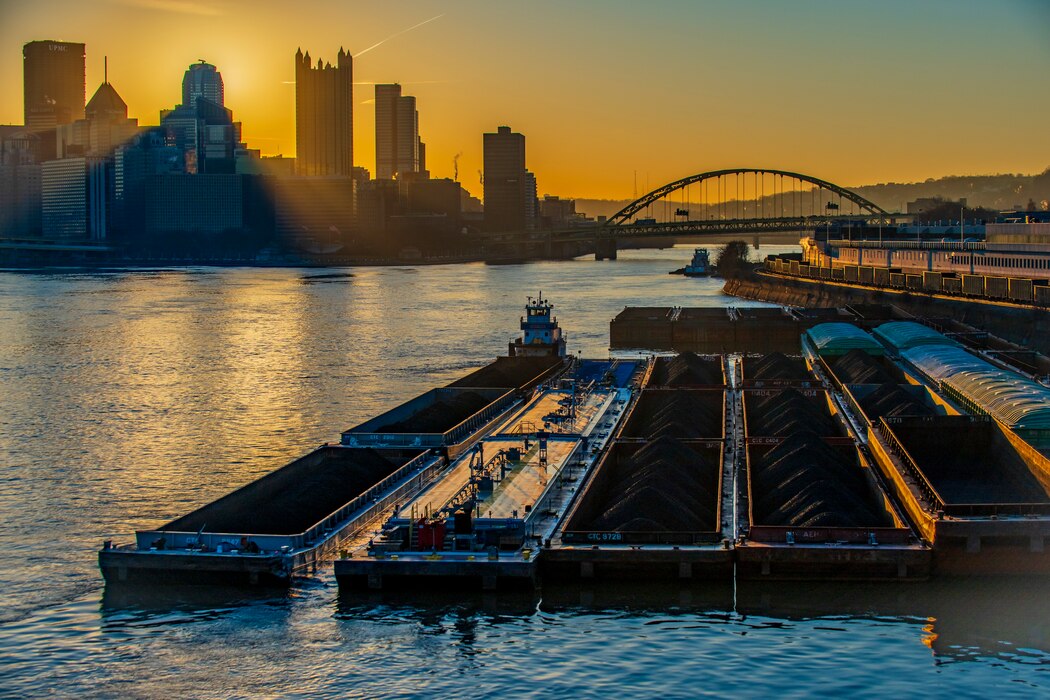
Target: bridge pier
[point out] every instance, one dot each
(605, 248)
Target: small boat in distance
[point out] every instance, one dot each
(699, 266)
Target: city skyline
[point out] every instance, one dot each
(604, 91)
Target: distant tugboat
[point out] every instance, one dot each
(541, 335)
(699, 266)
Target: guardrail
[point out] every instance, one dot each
(909, 244)
(910, 466)
(333, 522)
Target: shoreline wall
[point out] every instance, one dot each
(1022, 325)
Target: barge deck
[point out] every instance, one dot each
(491, 513)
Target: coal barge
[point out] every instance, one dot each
(288, 522)
(855, 457)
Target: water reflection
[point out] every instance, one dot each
(962, 617)
(123, 602)
(958, 619)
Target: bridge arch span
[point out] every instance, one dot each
(624, 215)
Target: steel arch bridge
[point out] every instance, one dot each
(778, 202)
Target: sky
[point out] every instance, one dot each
(611, 95)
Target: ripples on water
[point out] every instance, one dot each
(128, 398)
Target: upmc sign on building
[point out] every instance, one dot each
(54, 82)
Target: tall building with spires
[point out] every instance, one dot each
(324, 115)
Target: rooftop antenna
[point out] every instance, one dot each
(105, 69)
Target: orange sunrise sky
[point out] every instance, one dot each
(852, 92)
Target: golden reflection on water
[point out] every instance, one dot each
(929, 637)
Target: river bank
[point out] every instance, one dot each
(1025, 326)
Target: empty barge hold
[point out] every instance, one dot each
(447, 418)
(521, 373)
(973, 488)
(278, 526)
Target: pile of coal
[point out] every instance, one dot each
(442, 415)
(891, 400)
(681, 413)
(786, 412)
(665, 486)
(508, 372)
(687, 369)
(858, 367)
(775, 366)
(804, 482)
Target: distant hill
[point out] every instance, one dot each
(998, 192)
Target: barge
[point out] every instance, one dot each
(969, 470)
(850, 457)
(487, 520)
(489, 516)
(288, 522)
(278, 526)
(655, 507)
(815, 508)
(975, 490)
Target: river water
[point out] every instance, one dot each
(129, 397)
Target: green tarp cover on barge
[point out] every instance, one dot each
(904, 335)
(1012, 398)
(830, 339)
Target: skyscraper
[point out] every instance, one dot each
(202, 80)
(324, 115)
(398, 149)
(105, 126)
(207, 135)
(54, 83)
(505, 180)
(73, 196)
